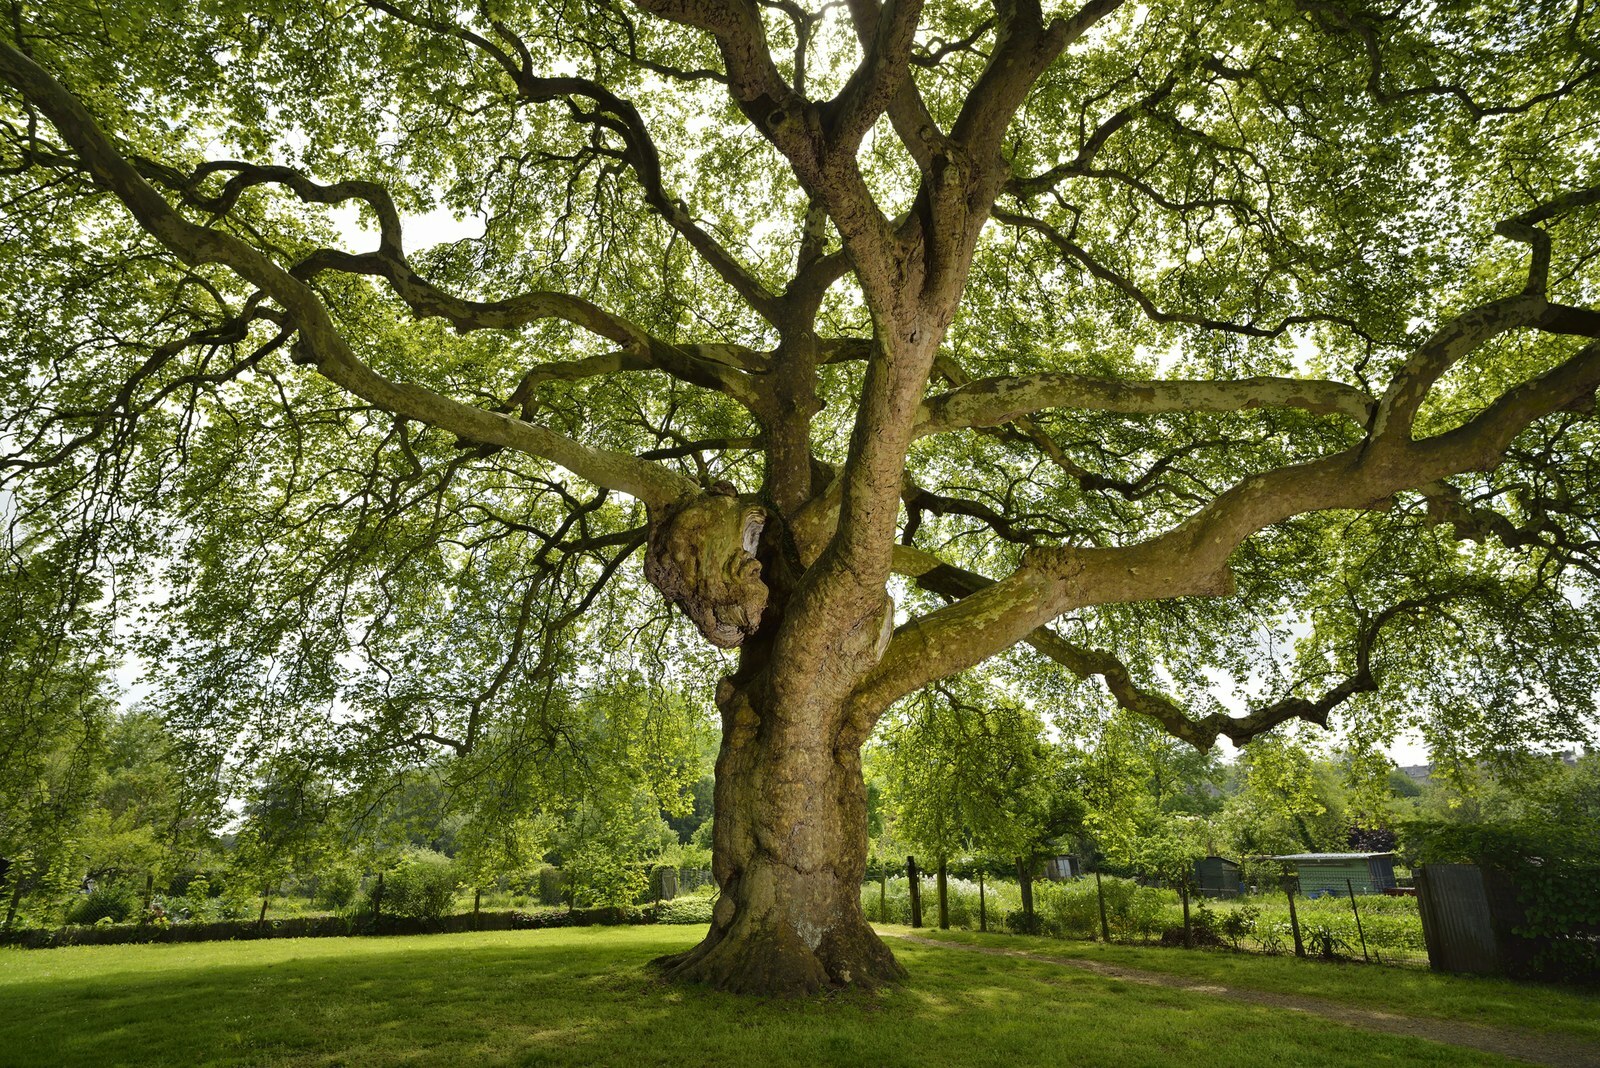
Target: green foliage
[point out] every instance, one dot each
(1556, 872)
(599, 879)
(964, 771)
(353, 605)
(105, 903)
(337, 885)
(1237, 924)
(692, 909)
(422, 886)
(1561, 904)
(1287, 801)
(999, 898)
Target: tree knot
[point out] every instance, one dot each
(702, 557)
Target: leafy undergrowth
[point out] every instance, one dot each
(583, 997)
(1481, 1000)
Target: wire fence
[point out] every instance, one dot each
(1376, 928)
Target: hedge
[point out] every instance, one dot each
(688, 911)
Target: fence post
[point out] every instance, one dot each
(1357, 911)
(983, 910)
(1294, 917)
(883, 895)
(477, 902)
(377, 903)
(944, 895)
(914, 884)
(1188, 932)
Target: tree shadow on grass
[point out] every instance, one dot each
(534, 998)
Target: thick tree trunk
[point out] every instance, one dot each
(790, 854)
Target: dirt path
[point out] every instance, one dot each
(1558, 1051)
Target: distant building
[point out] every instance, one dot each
(1217, 877)
(1339, 873)
(1422, 772)
(1058, 869)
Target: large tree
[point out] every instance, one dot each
(1213, 330)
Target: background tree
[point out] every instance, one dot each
(1286, 800)
(1185, 324)
(55, 710)
(968, 774)
(286, 828)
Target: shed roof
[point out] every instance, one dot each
(1329, 856)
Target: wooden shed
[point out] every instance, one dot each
(1217, 877)
(1328, 873)
(1063, 867)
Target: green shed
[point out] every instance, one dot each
(1328, 873)
(1217, 876)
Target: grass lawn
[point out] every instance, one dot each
(1411, 992)
(581, 996)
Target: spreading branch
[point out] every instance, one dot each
(320, 342)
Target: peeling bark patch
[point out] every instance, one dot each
(810, 934)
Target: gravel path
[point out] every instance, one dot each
(1558, 1051)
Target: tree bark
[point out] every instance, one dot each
(1294, 919)
(1100, 894)
(1025, 884)
(790, 853)
(944, 894)
(15, 872)
(914, 891)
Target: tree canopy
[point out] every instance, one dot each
(1119, 349)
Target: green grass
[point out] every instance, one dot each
(1410, 992)
(582, 996)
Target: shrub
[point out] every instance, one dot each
(693, 909)
(113, 904)
(422, 886)
(551, 888)
(545, 916)
(1325, 937)
(1147, 910)
(1273, 937)
(195, 895)
(600, 880)
(1238, 924)
(338, 886)
(1072, 909)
